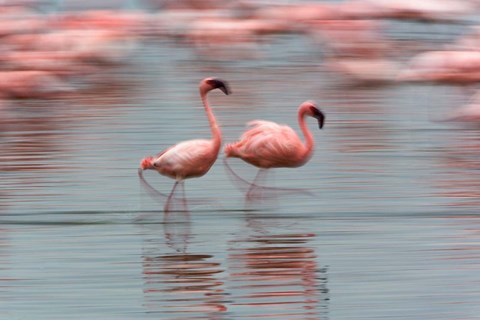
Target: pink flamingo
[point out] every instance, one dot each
(268, 145)
(192, 158)
(449, 66)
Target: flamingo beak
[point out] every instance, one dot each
(321, 120)
(225, 90)
(319, 115)
(220, 84)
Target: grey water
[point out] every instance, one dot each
(389, 227)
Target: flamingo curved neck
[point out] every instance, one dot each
(307, 134)
(215, 129)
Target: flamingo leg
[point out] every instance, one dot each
(163, 198)
(177, 230)
(183, 198)
(241, 183)
(249, 187)
(167, 208)
(255, 190)
(179, 201)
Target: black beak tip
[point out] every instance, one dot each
(216, 83)
(321, 120)
(226, 90)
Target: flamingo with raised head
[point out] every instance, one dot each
(192, 158)
(268, 145)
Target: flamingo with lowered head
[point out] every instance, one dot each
(268, 145)
(191, 158)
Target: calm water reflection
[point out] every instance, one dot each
(389, 227)
(277, 276)
(178, 282)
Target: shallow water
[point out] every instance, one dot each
(384, 223)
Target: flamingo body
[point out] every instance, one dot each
(267, 144)
(187, 159)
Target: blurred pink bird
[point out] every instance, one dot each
(268, 145)
(192, 158)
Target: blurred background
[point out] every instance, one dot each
(382, 222)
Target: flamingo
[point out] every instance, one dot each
(268, 145)
(448, 66)
(192, 158)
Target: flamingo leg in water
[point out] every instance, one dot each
(249, 187)
(177, 229)
(179, 203)
(255, 190)
(184, 198)
(161, 197)
(167, 208)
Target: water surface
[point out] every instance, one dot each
(388, 229)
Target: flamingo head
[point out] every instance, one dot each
(146, 163)
(314, 111)
(209, 84)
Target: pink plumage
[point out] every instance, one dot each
(267, 144)
(192, 158)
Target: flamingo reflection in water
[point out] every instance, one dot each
(270, 145)
(177, 282)
(192, 158)
(275, 274)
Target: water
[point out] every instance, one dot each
(389, 229)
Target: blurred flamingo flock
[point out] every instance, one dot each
(61, 48)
